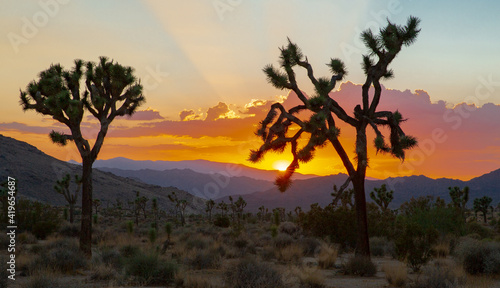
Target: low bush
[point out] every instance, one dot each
(478, 257)
(70, 230)
(203, 259)
(440, 277)
(359, 266)
(378, 246)
(129, 250)
(395, 274)
(291, 253)
(110, 257)
(289, 228)
(282, 240)
(251, 274)
(42, 281)
(414, 244)
(222, 221)
(310, 278)
(62, 256)
(103, 273)
(149, 270)
(327, 256)
(476, 228)
(310, 246)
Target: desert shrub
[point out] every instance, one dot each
(26, 238)
(440, 277)
(268, 253)
(198, 243)
(310, 278)
(377, 246)
(42, 281)
(192, 281)
(36, 217)
(149, 270)
(263, 240)
(290, 253)
(203, 259)
(129, 250)
(289, 228)
(310, 246)
(222, 221)
(110, 257)
(251, 274)
(441, 249)
(282, 240)
(335, 223)
(395, 274)
(478, 257)
(359, 266)
(476, 228)
(103, 273)
(59, 256)
(414, 244)
(327, 256)
(70, 230)
(241, 242)
(152, 235)
(274, 231)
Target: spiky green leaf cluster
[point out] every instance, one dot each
(337, 67)
(277, 78)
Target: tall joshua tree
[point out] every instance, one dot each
(459, 198)
(321, 128)
(62, 187)
(382, 197)
(109, 90)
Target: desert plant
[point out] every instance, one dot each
(395, 274)
(310, 278)
(414, 244)
(440, 277)
(59, 256)
(359, 266)
(128, 251)
(130, 227)
(478, 257)
(111, 91)
(477, 228)
(42, 280)
(147, 269)
(62, 187)
(310, 245)
(378, 246)
(222, 221)
(291, 253)
(69, 230)
(382, 197)
(168, 229)
(152, 235)
(327, 256)
(203, 259)
(481, 205)
(324, 111)
(282, 240)
(103, 273)
(251, 274)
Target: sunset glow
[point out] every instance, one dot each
(281, 165)
(206, 93)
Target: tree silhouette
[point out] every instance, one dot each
(459, 198)
(482, 204)
(62, 187)
(209, 207)
(276, 133)
(382, 197)
(111, 90)
(180, 206)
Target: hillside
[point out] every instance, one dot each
(36, 174)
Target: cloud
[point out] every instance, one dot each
(185, 114)
(146, 115)
(220, 111)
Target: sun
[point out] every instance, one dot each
(281, 165)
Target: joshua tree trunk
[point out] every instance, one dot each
(86, 228)
(71, 213)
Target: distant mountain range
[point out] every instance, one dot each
(120, 178)
(303, 192)
(36, 174)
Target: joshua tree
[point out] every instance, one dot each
(481, 205)
(239, 205)
(180, 206)
(154, 208)
(459, 198)
(382, 197)
(344, 196)
(210, 206)
(222, 207)
(96, 203)
(110, 91)
(276, 133)
(62, 187)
